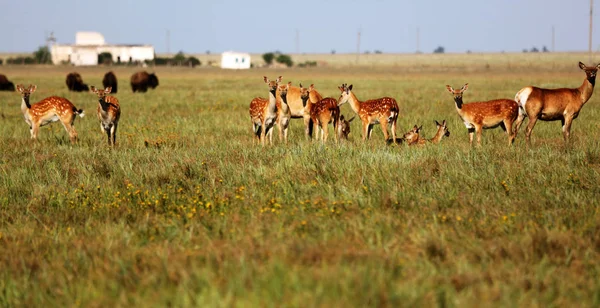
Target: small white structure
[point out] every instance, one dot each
(235, 60)
(88, 45)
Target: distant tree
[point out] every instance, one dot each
(1, 61)
(333, 51)
(366, 52)
(193, 61)
(208, 52)
(534, 49)
(525, 51)
(105, 58)
(440, 49)
(179, 57)
(285, 59)
(468, 51)
(42, 55)
(268, 57)
(544, 49)
(378, 51)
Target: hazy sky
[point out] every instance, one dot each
(260, 26)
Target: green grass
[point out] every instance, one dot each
(187, 211)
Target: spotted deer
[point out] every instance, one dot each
(382, 111)
(50, 109)
(483, 115)
(308, 96)
(555, 104)
(442, 131)
(343, 128)
(322, 113)
(263, 112)
(109, 112)
(283, 112)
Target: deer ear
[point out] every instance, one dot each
(266, 79)
(437, 123)
(598, 66)
(450, 89)
(279, 79)
(311, 88)
(444, 123)
(93, 89)
(289, 85)
(351, 119)
(32, 88)
(300, 85)
(581, 65)
(20, 88)
(108, 90)
(341, 89)
(464, 88)
(418, 129)
(342, 117)
(350, 88)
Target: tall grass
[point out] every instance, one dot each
(187, 211)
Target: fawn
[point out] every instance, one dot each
(109, 112)
(322, 113)
(343, 128)
(263, 112)
(283, 111)
(413, 136)
(50, 109)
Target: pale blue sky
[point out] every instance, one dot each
(260, 26)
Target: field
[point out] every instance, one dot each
(187, 211)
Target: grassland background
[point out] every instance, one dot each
(187, 211)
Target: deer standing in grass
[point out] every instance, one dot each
(307, 97)
(482, 115)
(382, 111)
(343, 128)
(413, 136)
(283, 112)
(322, 113)
(263, 112)
(109, 112)
(555, 104)
(48, 110)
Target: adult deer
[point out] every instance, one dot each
(300, 101)
(109, 112)
(283, 112)
(263, 112)
(322, 113)
(555, 104)
(483, 115)
(50, 109)
(382, 111)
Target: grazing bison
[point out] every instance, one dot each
(110, 80)
(5, 84)
(140, 81)
(75, 83)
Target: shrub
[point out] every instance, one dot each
(105, 58)
(268, 57)
(285, 59)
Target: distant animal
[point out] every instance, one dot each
(48, 110)
(75, 83)
(109, 113)
(343, 128)
(555, 104)
(110, 80)
(382, 111)
(140, 81)
(5, 84)
(489, 114)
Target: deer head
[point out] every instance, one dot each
(443, 128)
(101, 93)
(590, 72)
(283, 90)
(345, 95)
(272, 84)
(458, 94)
(344, 127)
(305, 93)
(25, 93)
(413, 135)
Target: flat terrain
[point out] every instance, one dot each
(187, 211)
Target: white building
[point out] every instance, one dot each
(235, 60)
(88, 45)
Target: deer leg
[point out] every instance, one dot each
(508, 125)
(519, 121)
(34, 131)
(114, 134)
(107, 130)
(384, 128)
(325, 132)
(365, 130)
(567, 127)
(394, 129)
(529, 129)
(71, 131)
(263, 133)
(280, 127)
(370, 127)
(478, 131)
(471, 131)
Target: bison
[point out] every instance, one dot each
(140, 81)
(75, 83)
(110, 80)
(5, 84)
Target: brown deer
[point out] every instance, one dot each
(555, 104)
(48, 110)
(109, 112)
(382, 111)
(442, 130)
(263, 112)
(283, 112)
(322, 113)
(307, 97)
(483, 115)
(413, 136)
(343, 128)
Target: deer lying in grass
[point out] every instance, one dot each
(48, 110)
(263, 112)
(382, 111)
(109, 112)
(343, 128)
(482, 115)
(413, 136)
(322, 113)
(555, 104)
(283, 112)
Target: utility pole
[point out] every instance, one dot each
(358, 46)
(297, 41)
(553, 50)
(590, 38)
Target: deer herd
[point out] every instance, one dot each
(286, 102)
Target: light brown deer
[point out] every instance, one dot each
(555, 104)
(283, 111)
(382, 111)
(263, 112)
(308, 97)
(322, 113)
(109, 113)
(442, 130)
(483, 115)
(48, 110)
(343, 128)
(413, 136)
